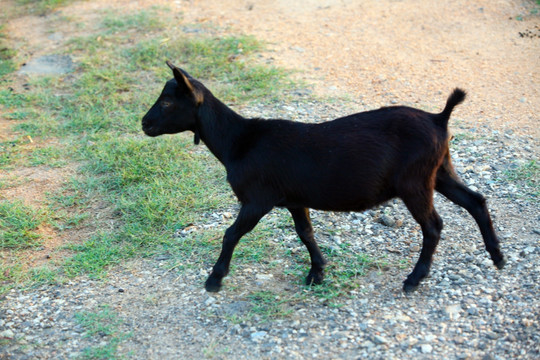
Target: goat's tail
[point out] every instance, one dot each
(454, 99)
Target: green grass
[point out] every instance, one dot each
(91, 120)
(341, 274)
(6, 55)
(268, 305)
(146, 20)
(18, 225)
(104, 327)
(147, 188)
(527, 174)
(42, 7)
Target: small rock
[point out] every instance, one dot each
(210, 301)
(49, 65)
(472, 311)
(7, 334)
(55, 36)
(264, 276)
(258, 335)
(426, 348)
(386, 221)
(414, 248)
(378, 339)
(367, 344)
(452, 311)
(237, 308)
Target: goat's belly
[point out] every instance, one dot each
(333, 200)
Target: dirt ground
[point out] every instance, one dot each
(400, 51)
(373, 52)
(379, 52)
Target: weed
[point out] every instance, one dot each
(53, 156)
(9, 152)
(459, 137)
(96, 254)
(103, 323)
(10, 99)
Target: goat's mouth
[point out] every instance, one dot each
(150, 131)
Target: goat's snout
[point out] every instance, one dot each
(147, 126)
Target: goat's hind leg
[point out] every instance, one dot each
(449, 185)
(248, 217)
(421, 207)
(304, 230)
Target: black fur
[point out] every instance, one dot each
(348, 164)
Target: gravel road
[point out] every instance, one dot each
(154, 309)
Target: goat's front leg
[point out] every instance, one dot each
(248, 217)
(304, 230)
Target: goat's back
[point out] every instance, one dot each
(347, 164)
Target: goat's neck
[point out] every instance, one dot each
(219, 127)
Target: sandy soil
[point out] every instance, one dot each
(384, 52)
(377, 52)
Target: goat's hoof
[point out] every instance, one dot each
(409, 287)
(212, 284)
(500, 264)
(314, 278)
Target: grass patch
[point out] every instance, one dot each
(225, 63)
(268, 305)
(145, 20)
(527, 174)
(104, 326)
(149, 187)
(6, 54)
(341, 273)
(92, 117)
(42, 7)
(18, 225)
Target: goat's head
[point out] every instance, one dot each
(176, 108)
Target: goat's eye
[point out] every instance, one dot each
(165, 104)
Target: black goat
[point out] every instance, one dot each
(348, 164)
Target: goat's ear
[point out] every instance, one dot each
(184, 83)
